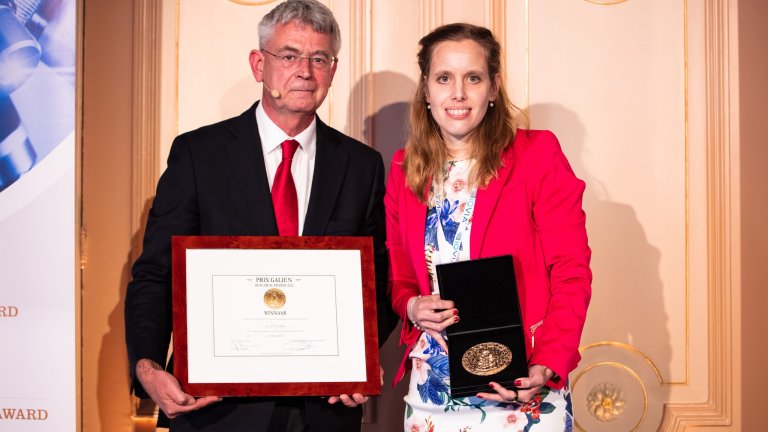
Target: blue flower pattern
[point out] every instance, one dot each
(433, 348)
(435, 388)
(445, 218)
(443, 210)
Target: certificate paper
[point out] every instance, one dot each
(275, 316)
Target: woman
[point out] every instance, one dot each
(524, 200)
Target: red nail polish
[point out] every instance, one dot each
(492, 385)
(455, 319)
(455, 312)
(517, 383)
(480, 396)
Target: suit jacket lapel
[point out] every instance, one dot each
(487, 199)
(247, 161)
(330, 168)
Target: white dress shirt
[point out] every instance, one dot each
(303, 166)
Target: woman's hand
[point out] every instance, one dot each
(528, 387)
(432, 315)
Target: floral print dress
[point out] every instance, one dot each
(429, 405)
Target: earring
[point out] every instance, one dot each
(491, 104)
(429, 107)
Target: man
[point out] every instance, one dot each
(274, 170)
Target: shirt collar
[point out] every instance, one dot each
(272, 136)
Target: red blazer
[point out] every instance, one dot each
(531, 210)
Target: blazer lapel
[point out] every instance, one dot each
(330, 168)
(247, 161)
(487, 198)
(415, 220)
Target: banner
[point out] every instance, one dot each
(37, 215)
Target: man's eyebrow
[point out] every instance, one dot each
(298, 51)
(289, 48)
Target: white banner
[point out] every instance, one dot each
(37, 215)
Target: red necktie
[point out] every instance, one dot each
(284, 198)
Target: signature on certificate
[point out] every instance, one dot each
(299, 345)
(243, 345)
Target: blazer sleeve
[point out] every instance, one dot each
(375, 227)
(559, 221)
(402, 277)
(148, 307)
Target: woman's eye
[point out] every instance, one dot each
(442, 79)
(474, 79)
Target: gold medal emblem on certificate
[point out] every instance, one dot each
(274, 298)
(486, 358)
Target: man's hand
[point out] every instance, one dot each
(356, 399)
(164, 389)
(349, 401)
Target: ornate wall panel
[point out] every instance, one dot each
(637, 92)
(610, 81)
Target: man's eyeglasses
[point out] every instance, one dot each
(318, 61)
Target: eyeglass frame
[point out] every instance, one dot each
(288, 63)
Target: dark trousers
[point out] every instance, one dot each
(289, 415)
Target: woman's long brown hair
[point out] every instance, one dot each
(425, 151)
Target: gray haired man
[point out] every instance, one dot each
(222, 180)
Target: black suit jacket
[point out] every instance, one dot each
(216, 184)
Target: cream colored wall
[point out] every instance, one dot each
(610, 81)
(654, 139)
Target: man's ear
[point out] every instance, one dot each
(256, 59)
(333, 70)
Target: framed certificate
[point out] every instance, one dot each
(275, 316)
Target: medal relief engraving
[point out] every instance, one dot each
(274, 298)
(486, 358)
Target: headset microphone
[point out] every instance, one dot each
(275, 94)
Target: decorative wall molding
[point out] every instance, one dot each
(431, 15)
(601, 2)
(145, 152)
(359, 40)
(496, 20)
(145, 112)
(718, 409)
(608, 402)
(252, 3)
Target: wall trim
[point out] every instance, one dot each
(717, 410)
(145, 113)
(496, 21)
(360, 49)
(431, 15)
